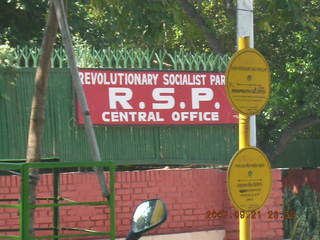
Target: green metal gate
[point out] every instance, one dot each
(23, 206)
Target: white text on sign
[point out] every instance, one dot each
(135, 97)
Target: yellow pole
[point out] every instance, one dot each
(244, 141)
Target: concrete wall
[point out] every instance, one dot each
(202, 235)
(190, 194)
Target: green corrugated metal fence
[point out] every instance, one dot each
(64, 139)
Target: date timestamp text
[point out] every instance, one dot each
(270, 214)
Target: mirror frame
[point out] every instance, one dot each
(154, 226)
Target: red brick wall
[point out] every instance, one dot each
(295, 178)
(188, 193)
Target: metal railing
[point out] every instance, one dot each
(24, 207)
(127, 58)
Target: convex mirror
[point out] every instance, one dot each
(148, 215)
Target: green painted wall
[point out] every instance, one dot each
(63, 138)
(300, 154)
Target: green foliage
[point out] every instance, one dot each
(306, 223)
(156, 24)
(7, 62)
(22, 21)
(7, 58)
(161, 25)
(291, 44)
(133, 23)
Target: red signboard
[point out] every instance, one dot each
(117, 97)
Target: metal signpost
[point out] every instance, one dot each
(249, 179)
(249, 173)
(248, 84)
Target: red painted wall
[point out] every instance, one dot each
(189, 194)
(295, 178)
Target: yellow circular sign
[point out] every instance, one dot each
(249, 179)
(248, 81)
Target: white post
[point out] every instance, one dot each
(244, 29)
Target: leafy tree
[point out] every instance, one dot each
(22, 21)
(160, 24)
(289, 38)
(157, 24)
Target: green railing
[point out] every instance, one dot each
(24, 207)
(127, 58)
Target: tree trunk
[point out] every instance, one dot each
(213, 42)
(292, 130)
(37, 116)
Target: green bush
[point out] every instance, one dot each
(306, 223)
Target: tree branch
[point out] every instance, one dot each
(292, 130)
(230, 8)
(199, 21)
